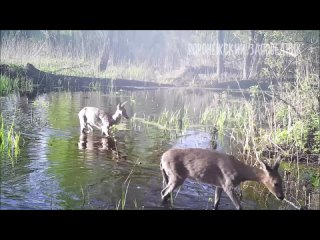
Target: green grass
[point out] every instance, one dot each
(2, 134)
(9, 140)
(95, 86)
(315, 180)
(176, 121)
(8, 85)
(60, 61)
(122, 202)
(81, 68)
(124, 189)
(258, 124)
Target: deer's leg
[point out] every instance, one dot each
(165, 179)
(172, 184)
(82, 128)
(217, 196)
(164, 182)
(105, 130)
(90, 127)
(96, 125)
(106, 133)
(83, 123)
(233, 196)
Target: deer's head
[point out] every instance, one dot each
(121, 110)
(272, 179)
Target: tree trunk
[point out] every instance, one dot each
(52, 40)
(58, 38)
(248, 59)
(106, 51)
(220, 52)
(257, 58)
(84, 44)
(73, 42)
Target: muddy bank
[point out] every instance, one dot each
(49, 80)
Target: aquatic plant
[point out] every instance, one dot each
(10, 141)
(124, 188)
(8, 85)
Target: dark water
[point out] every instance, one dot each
(58, 168)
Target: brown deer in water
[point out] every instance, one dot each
(219, 169)
(94, 117)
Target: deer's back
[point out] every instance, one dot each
(90, 110)
(199, 164)
(91, 114)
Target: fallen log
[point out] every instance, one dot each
(50, 80)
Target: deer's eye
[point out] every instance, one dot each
(276, 184)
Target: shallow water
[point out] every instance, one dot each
(58, 168)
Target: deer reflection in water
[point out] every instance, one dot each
(92, 142)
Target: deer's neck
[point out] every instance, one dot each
(249, 173)
(116, 117)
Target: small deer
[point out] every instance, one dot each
(219, 169)
(94, 117)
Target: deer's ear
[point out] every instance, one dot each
(277, 163)
(265, 166)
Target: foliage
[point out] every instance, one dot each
(8, 85)
(9, 140)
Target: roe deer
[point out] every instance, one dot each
(219, 169)
(94, 117)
